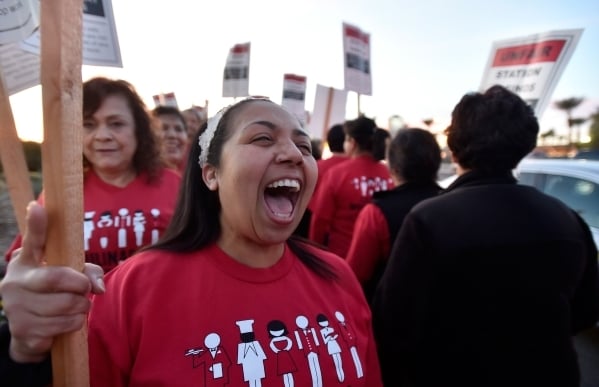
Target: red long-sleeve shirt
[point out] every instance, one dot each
(370, 244)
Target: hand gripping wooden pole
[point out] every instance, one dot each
(13, 161)
(61, 60)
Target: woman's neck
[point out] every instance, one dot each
(397, 180)
(360, 152)
(117, 178)
(250, 253)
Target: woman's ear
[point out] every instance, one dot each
(209, 177)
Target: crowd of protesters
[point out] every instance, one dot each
(240, 259)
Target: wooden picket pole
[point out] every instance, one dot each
(13, 161)
(61, 61)
(327, 114)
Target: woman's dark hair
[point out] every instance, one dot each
(195, 222)
(316, 148)
(335, 138)
(492, 131)
(147, 153)
(379, 143)
(362, 131)
(414, 155)
(159, 111)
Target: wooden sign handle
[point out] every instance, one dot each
(327, 113)
(61, 61)
(13, 161)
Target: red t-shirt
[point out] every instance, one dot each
(119, 220)
(204, 319)
(344, 190)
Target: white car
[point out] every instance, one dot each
(574, 182)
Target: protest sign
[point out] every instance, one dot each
(356, 59)
(236, 77)
(20, 69)
(531, 65)
(100, 40)
(20, 62)
(165, 99)
(18, 19)
(294, 95)
(329, 109)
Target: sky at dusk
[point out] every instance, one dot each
(424, 55)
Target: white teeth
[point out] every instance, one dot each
(293, 185)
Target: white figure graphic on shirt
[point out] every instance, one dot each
(139, 226)
(250, 355)
(155, 212)
(88, 228)
(213, 357)
(368, 186)
(307, 340)
(364, 186)
(349, 337)
(330, 339)
(377, 184)
(281, 344)
(123, 222)
(104, 224)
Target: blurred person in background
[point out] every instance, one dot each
(346, 188)
(413, 158)
(172, 133)
(382, 139)
(128, 193)
(194, 121)
(303, 227)
(335, 138)
(487, 282)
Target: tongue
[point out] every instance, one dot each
(279, 204)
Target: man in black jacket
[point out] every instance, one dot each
(488, 282)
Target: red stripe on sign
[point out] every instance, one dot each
(356, 33)
(547, 51)
(293, 77)
(240, 48)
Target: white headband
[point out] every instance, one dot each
(206, 137)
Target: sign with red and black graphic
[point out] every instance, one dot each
(356, 59)
(294, 95)
(531, 66)
(236, 77)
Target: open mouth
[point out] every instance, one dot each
(281, 197)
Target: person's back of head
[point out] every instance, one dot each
(361, 130)
(493, 130)
(316, 148)
(380, 143)
(335, 138)
(414, 155)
